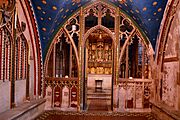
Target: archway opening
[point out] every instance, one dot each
(99, 64)
(134, 74)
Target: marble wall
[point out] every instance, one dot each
(29, 34)
(20, 91)
(4, 96)
(20, 85)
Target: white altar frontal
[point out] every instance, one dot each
(96, 80)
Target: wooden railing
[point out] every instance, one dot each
(134, 93)
(61, 92)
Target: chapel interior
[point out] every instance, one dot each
(89, 59)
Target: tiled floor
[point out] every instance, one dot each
(58, 115)
(97, 110)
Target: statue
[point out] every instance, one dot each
(106, 56)
(93, 70)
(99, 53)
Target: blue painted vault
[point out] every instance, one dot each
(51, 14)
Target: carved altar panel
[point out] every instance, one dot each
(169, 83)
(139, 94)
(99, 53)
(121, 98)
(48, 97)
(65, 97)
(57, 96)
(73, 96)
(134, 94)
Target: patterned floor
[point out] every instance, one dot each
(59, 115)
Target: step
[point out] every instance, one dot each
(99, 98)
(99, 95)
(104, 94)
(100, 91)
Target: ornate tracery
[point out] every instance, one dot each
(5, 53)
(21, 54)
(14, 51)
(100, 19)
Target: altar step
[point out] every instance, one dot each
(99, 98)
(102, 95)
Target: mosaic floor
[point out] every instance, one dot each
(59, 115)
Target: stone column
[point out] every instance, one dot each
(12, 75)
(80, 51)
(65, 97)
(143, 61)
(99, 15)
(70, 61)
(54, 60)
(127, 62)
(116, 59)
(178, 73)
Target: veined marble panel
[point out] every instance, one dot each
(65, 97)
(48, 97)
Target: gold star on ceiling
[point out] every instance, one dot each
(44, 12)
(76, 1)
(67, 10)
(54, 7)
(38, 7)
(79, 5)
(61, 10)
(159, 10)
(73, 4)
(122, 1)
(52, 30)
(137, 11)
(44, 29)
(145, 8)
(154, 3)
(64, 17)
(44, 1)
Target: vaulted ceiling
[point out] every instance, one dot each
(51, 14)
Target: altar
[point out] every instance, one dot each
(99, 81)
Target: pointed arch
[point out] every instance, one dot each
(101, 27)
